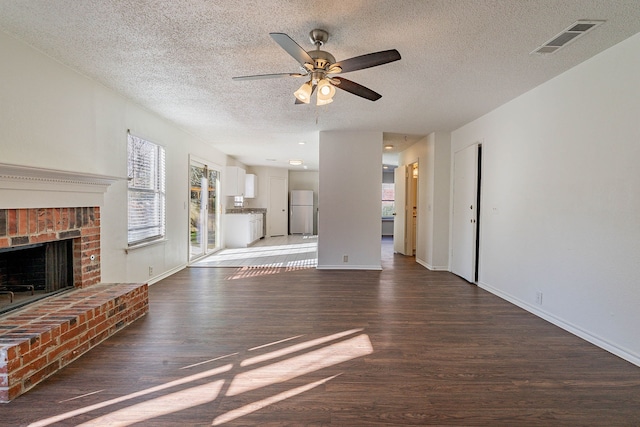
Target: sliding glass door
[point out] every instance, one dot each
(204, 209)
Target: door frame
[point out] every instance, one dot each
(405, 235)
(400, 191)
(205, 225)
(411, 225)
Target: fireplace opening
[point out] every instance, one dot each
(30, 273)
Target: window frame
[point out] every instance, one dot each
(146, 187)
(388, 200)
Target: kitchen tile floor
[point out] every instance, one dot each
(297, 251)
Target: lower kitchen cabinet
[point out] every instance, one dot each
(241, 230)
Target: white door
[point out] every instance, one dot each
(465, 195)
(399, 228)
(277, 206)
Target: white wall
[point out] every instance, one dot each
(304, 180)
(560, 199)
(349, 200)
(438, 205)
(433, 156)
(53, 117)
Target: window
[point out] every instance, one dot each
(388, 200)
(146, 203)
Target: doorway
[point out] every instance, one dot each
(412, 210)
(405, 227)
(204, 209)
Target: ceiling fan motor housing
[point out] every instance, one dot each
(322, 59)
(322, 62)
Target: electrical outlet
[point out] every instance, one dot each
(150, 271)
(539, 297)
(345, 258)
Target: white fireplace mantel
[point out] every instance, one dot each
(32, 187)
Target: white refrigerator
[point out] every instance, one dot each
(301, 212)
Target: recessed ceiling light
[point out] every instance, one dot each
(388, 147)
(295, 162)
(301, 143)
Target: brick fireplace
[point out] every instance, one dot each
(41, 338)
(23, 227)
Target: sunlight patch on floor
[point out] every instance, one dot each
(152, 408)
(295, 348)
(256, 406)
(86, 409)
(285, 251)
(310, 356)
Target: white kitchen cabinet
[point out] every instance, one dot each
(235, 181)
(241, 230)
(251, 186)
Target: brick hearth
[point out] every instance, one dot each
(42, 338)
(39, 339)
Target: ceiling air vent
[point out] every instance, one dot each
(566, 36)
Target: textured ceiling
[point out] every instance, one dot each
(460, 60)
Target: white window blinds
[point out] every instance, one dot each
(146, 176)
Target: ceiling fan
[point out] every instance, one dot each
(320, 66)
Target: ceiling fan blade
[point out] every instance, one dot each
(368, 60)
(356, 89)
(268, 76)
(292, 48)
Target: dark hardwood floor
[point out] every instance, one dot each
(404, 346)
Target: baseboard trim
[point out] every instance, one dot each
(349, 267)
(431, 267)
(567, 326)
(166, 274)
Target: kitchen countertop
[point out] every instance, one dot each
(246, 210)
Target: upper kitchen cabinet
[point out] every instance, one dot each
(235, 181)
(251, 186)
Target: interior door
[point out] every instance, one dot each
(277, 212)
(399, 228)
(464, 229)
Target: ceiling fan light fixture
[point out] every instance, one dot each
(325, 92)
(304, 93)
(321, 101)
